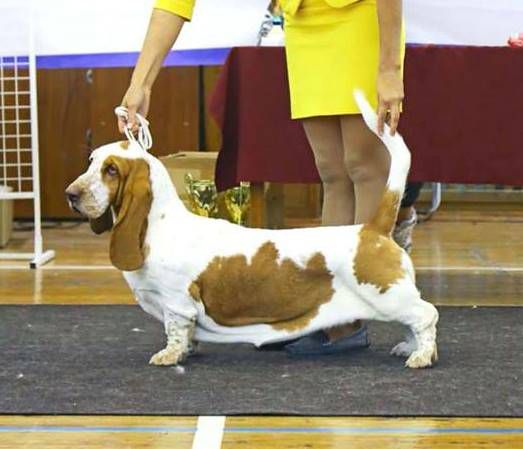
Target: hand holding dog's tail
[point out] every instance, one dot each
(385, 218)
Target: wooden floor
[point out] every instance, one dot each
(467, 257)
(118, 432)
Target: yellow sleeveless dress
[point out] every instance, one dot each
(332, 48)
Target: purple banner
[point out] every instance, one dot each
(211, 56)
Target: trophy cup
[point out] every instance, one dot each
(202, 196)
(237, 203)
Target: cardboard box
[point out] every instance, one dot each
(6, 217)
(200, 164)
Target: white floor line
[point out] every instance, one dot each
(60, 267)
(421, 268)
(470, 268)
(209, 432)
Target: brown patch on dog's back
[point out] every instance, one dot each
(124, 144)
(378, 257)
(285, 295)
(378, 260)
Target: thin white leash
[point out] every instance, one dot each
(144, 139)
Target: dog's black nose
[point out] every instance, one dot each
(72, 194)
(72, 197)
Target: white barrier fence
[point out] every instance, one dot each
(19, 167)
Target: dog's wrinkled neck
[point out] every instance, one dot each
(166, 202)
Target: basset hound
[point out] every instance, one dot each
(214, 281)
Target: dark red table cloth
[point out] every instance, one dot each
(463, 117)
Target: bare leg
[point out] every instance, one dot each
(325, 139)
(367, 163)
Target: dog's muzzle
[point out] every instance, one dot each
(73, 196)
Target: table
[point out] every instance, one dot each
(462, 118)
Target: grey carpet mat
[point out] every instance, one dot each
(93, 360)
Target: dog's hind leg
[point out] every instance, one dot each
(406, 347)
(421, 349)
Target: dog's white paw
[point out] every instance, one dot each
(423, 359)
(168, 356)
(404, 349)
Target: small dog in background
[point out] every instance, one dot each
(211, 280)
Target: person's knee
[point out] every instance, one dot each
(331, 172)
(324, 135)
(365, 157)
(361, 166)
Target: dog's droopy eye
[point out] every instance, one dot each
(111, 170)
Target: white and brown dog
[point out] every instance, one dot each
(210, 280)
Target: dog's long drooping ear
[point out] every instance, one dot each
(103, 223)
(132, 208)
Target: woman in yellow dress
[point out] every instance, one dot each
(333, 47)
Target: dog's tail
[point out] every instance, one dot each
(385, 218)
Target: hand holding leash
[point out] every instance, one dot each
(143, 138)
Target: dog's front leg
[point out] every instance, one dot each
(180, 331)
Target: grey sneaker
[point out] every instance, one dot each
(402, 234)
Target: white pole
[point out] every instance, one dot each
(39, 257)
(38, 248)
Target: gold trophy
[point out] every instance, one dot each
(202, 196)
(237, 203)
(232, 205)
